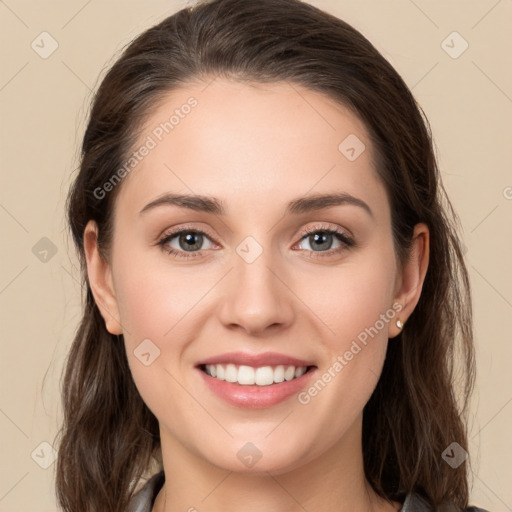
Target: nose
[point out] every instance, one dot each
(257, 296)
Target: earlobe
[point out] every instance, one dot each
(100, 280)
(412, 277)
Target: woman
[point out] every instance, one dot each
(275, 284)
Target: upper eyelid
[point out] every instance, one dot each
(175, 232)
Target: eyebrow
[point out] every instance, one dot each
(297, 206)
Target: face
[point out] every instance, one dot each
(252, 285)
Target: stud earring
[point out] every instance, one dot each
(399, 324)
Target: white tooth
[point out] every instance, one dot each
(264, 376)
(231, 373)
(289, 373)
(279, 374)
(246, 375)
(301, 370)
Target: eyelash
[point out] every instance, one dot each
(340, 235)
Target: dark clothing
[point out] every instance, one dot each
(145, 498)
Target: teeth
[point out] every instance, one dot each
(264, 376)
(300, 371)
(231, 374)
(279, 374)
(289, 373)
(247, 375)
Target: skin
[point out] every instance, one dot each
(270, 144)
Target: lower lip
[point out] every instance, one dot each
(255, 397)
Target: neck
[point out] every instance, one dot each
(333, 482)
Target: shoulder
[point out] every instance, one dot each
(415, 502)
(143, 500)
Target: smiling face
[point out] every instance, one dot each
(272, 280)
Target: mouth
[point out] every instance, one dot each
(245, 375)
(255, 381)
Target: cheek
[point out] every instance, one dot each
(152, 298)
(349, 300)
(354, 304)
(158, 306)
(153, 311)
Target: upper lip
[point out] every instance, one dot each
(256, 360)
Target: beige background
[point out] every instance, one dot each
(43, 105)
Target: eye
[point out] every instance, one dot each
(188, 242)
(322, 238)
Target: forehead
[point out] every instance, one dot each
(250, 144)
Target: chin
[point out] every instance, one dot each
(259, 458)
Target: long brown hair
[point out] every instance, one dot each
(109, 437)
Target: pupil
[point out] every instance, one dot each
(189, 240)
(322, 236)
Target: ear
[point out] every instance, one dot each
(411, 277)
(100, 280)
